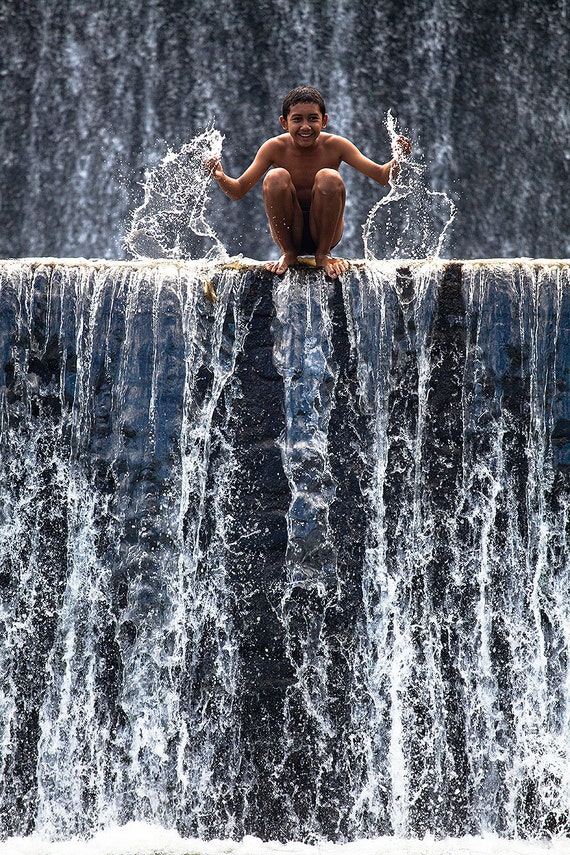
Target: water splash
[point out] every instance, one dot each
(172, 221)
(137, 838)
(412, 221)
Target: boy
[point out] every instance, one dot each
(303, 192)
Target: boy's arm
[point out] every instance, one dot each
(378, 172)
(236, 188)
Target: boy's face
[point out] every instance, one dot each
(304, 122)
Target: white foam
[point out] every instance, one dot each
(138, 838)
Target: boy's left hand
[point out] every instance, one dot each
(402, 148)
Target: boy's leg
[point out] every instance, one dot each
(285, 217)
(327, 219)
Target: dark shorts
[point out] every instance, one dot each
(308, 245)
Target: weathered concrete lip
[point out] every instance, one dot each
(211, 266)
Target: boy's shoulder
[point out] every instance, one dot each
(332, 139)
(280, 139)
(272, 145)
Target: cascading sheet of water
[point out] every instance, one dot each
(315, 759)
(465, 627)
(459, 691)
(119, 660)
(293, 563)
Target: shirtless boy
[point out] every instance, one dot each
(303, 192)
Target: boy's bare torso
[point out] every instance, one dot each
(303, 164)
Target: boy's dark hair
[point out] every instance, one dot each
(303, 95)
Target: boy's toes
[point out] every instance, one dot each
(282, 264)
(333, 267)
(341, 266)
(276, 266)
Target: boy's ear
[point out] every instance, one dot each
(325, 120)
(283, 123)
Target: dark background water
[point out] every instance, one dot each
(92, 94)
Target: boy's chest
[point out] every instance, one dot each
(303, 165)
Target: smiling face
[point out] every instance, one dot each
(304, 122)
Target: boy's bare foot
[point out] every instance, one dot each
(286, 260)
(333, 267)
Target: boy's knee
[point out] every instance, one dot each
(277, 179)
(328, 181)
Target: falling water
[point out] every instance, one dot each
(116, 473)
(465, 622)
(304, 358)
(293, 563)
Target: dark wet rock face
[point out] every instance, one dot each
(292, 564)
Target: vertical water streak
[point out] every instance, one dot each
(512, 551)
(390, 310)
(34, 442)
(74, 718)
(482, 556)
(138, 718)
(369, 310)
(539, 782)
(206, 644)
(303, 356)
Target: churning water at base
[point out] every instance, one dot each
(292, 564)
(141, 839)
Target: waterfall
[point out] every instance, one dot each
(120, 659)
(292, 563)
(464, 623)
(93, 97)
